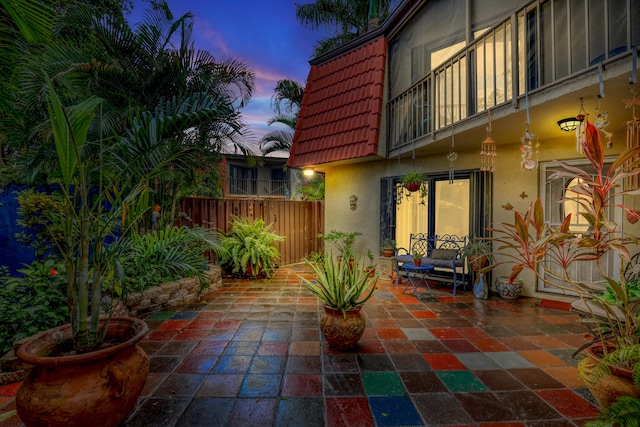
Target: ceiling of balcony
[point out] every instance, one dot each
(547, 106)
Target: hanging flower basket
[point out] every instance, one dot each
(412, 180)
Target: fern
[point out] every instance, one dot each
(623, 412)
(251, 245)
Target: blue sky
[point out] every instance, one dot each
(264, 34)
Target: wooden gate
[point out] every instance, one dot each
(300, 222)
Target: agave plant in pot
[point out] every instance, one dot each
(555, 253)
(91, 370)
(344, 290)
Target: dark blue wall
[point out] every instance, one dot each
(13, 254)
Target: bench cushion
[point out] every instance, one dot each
(444, 254)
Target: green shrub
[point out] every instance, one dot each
(32, 303)
(251, 247)
(166, 254)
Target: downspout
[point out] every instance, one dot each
(373, 15)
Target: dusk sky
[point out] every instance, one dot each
(264, 34)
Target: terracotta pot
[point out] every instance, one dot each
(97, 389)
(388, 252)
(607, 388)
(417, 262)
(412, 186)
(506, 290)
(478, 262)
(342, 332)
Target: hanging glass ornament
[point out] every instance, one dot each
(488, 152)
(452, 157)
(581, 129)
(529, 142)
(602, 121)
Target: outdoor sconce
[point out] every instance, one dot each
(308, 172)
(569, 124)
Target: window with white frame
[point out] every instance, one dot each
(559, 201)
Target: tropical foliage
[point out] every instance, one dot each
(345, 18)
(251, 247)
(311, 188)
(166, 254)
(289, 93)
(339, 285)
(551, 252)
(105, 114)
(31, 303)
(150, 67)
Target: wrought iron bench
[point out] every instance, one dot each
(443, 252)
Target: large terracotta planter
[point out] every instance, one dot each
(607, 388)
(96, 389)
(342, 332)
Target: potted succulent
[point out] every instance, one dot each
(412, 180)
(343, 290)
(388, 248)
(250, 247)
(529, 240)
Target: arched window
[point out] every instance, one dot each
(560, 199)
(573, 203)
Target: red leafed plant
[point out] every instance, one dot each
(530, 243)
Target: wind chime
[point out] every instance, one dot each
(529, 141)
(581, 128)
(488, 151)
(452, 157)
(632, 182)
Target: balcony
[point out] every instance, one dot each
(258, 187)
(542, 45)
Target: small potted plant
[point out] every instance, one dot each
(412, 180)
(388, 247)
(371, 266)
(343, 242)
(343, 290)
(417, 258)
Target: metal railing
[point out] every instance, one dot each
(535, 47)
(258, 187)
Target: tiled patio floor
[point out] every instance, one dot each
(251, 354)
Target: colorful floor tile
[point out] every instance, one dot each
(251, 354)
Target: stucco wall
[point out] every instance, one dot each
(510, 182)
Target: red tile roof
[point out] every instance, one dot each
(339, 118)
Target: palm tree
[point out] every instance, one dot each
(289, 93)
(347, 18)
(151, 68)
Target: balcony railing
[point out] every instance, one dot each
(535, 47)
(258, 187)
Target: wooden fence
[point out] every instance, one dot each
(300, 222)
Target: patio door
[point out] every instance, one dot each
(458, 208)
(443, 210)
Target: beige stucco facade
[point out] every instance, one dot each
(445, 80)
